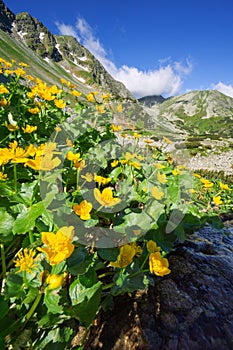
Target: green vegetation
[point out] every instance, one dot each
(83, 218)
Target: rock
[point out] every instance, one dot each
(192, 308)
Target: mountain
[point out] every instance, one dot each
(25, 38)
(205, 113)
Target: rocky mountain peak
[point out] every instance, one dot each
(6, 18)
(36, 36)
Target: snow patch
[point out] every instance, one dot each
(41, 36)
(83, 58)
(58, 48)
(67, 70)
(22, 34)
(46, 59)
(82, 80)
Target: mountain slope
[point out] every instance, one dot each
(24, 38)
(206, 112)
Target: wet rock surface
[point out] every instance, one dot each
(192, 308)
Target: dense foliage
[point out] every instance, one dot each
(87, 211)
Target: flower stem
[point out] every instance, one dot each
(15, 177)
(33, 308)
(31, 237)
(3, 261)
(107, 286)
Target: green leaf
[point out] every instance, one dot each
(124, 283)
(3, 307)
(14, 286)
(108, 254)
(26, 221)
(51, 300)
(6, 224)
(89, 278)
(78, 263)
(90, 298)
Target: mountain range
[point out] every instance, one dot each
(51, 57)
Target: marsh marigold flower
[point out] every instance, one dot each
(54, 281)
(125, 257)
(45, 163)
(29, 129)
(106, 197)
(217, 200)
(152, 246)
(58, 246)
(26, 261)
(83, 209)
(33, 110)
(102, 180)
(158, 265)
(207, 183)
(224, 186)
(88, 177)
(3, 90)
(59, 103)
(3, 176)
(156, 193)
(161, 178)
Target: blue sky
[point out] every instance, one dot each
(164, 47)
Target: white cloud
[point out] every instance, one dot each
(166, 80)
(66, 29)
(224, 88)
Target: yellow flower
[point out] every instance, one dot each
(159, 165)
(3, 176)
(158, 265)
(152, 247)
(19, 71)
(197, 175)
(224, 186)
(59, 103)
(148, 141)
(167, 140)
(156, 193)
(33, 110)
(102, 180)
(54, 90)
(119, 108)
(25, 260)
(63, 81)
(22, 64)
(100, 109)
(135, 165)
(217, 200)
(57, 128)
(136, 135)
(161, 178)
(114, 163)
(76, 93)
(177, 172)
(73, 157)
(3, 90)
(115, 127)
(88, 177)
(106, 197)
(54, 281)
(58, 246)
(127, 253)
(106, 96)
(83, 210)
(29, 77)
(29, 129)
(207, 183)
(90, 97)
(3, 102)
(11, 127)
(45, 163)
